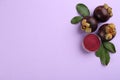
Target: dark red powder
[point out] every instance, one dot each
(91, 42)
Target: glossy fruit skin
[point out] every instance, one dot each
(101, 14)
(92, 21)
(102, 32)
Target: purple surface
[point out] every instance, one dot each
(37, 42)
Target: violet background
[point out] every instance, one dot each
(38, 42)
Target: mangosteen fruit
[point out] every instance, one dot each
(89, 24)
(103, 13)
(107, 32)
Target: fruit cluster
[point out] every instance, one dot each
(106, 32)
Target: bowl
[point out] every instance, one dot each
(91, 42)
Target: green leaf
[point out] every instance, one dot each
(110, 47)
(83, 10)
(98, 53)
(76, 19)
(105, 58)
(103, 54)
